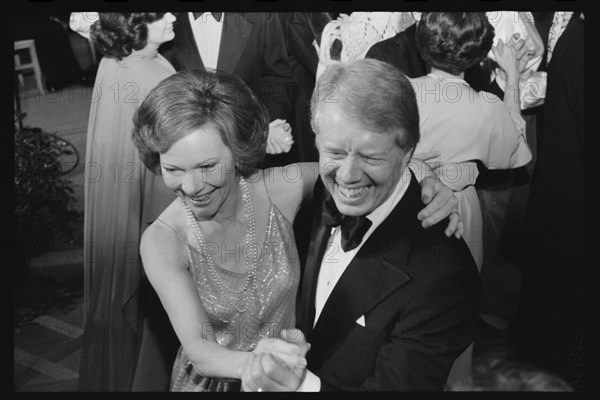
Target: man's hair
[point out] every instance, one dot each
(454, 42)
(374, 94)
(118, 34)
(193, 99)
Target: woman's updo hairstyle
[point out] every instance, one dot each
(454, 42)
(118, 34)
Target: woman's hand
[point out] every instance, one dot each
(275, 364)
(432, 158)
(289, 354)
(506, 57)
(522, 53)
(265, 373)
(280, 137)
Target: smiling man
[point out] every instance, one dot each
(385, 304)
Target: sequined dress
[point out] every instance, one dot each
(240, 320)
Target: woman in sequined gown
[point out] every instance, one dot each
(230, 230)
(121, 197)
(222, 257)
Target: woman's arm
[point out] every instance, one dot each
(165, 262)
(506, 58)
(292, 185)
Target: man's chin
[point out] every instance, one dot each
(352, 210)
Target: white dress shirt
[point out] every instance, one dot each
(207, 34)
(336, 260)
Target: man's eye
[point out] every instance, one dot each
(335, 154)
(374, 160)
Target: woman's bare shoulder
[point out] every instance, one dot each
(165, 239)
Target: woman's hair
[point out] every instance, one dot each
(454, 42)
(376, 95)
(118, 34)
(193, 99)
(498, 375)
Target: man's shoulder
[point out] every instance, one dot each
(430, 248)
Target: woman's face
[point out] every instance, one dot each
(161, 31)
(200, 169)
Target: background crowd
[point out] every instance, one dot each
(500, 99)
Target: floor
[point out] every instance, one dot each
(49, 319)
(49, 316)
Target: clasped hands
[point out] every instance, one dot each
(276, 365)
(513, 56)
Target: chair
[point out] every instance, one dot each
(34, 64)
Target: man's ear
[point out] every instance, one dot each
(407, 157)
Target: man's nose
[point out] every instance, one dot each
(348, 170)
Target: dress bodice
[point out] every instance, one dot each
(241, 308)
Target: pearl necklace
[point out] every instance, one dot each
(250, 258)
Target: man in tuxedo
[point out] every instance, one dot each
(249, 45)
(385, 303)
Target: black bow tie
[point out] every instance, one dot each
(217, 15)
(353, 228)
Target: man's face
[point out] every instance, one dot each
(360, 168)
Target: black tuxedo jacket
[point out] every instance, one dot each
(402, 52)
(252, 47)
(418, 292)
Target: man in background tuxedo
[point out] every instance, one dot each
(249, 45)
(385, 303)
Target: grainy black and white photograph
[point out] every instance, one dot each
(313, 201)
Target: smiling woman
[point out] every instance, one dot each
(227, 293)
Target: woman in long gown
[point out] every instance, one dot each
(121, 196)
(462, 124)
(222, 256)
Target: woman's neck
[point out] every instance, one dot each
(150, 47)
(232, 208)
(444, 74)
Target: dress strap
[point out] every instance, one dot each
(266, 190)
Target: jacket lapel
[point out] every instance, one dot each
(185, 47)
(236, 31)
(375, 272)
(316, 250)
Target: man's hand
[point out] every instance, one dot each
(290, 353)
(296, 337)
(441, 203)
(266, 373)
(280, 137)
(276, 364)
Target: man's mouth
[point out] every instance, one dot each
(353, 193)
